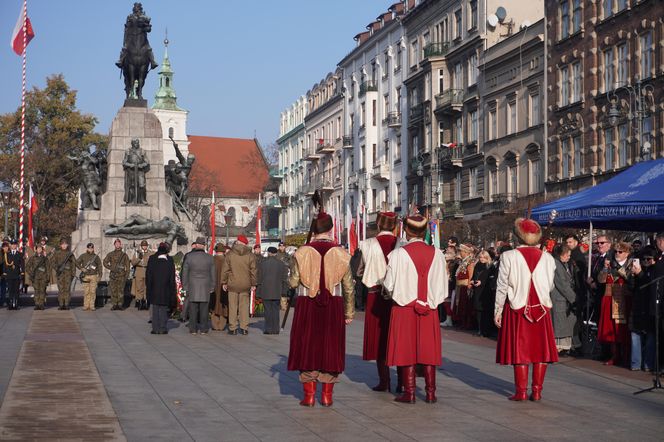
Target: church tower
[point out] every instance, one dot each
(173, 119)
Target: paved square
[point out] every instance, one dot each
(219, 387)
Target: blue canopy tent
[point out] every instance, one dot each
(632, 200)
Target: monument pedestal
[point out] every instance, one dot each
(130, 123)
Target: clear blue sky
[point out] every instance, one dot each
(237, 64)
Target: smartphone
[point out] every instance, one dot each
(636, 261)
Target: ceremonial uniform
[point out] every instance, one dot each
(463, 312)
(117, 262)
(140, 264)
(64, 264)
(219, 318)
(416, 276)
(378, 308)
(522, 310)
(39, 270)
(13, 271)
(89, 263)
(325, 301)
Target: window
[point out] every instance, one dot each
(647, 130)
(513, 180)
(647, 51)
(564, 156)
(414, 49)
(536, 176)
(608, 149)
(577, 82)
(472, 70)
(427, 138)
(386, 70)
(622, 5)
(623, 147)
(511, 117)
(473, 14)
(397, 154)
(457, 24)
(458, 131)
(398, 194)
(386, 105)
(577, 155)
(374, 200)
(374, 154)
(534, 109)
(441, 132)
(608, 70)
(493, 124)
(493, 182)
(363, 115)
(577, 18)
(441, 83)
(608, 8)
(564, 19)
(472, 176)
(564, 86)
(457, 187)
(474, 127)
(623, 68)
(374, 112)
(458, 77)
(363, 158)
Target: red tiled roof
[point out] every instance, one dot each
(229, 166)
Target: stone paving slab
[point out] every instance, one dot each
(221, 387)
(55, 392)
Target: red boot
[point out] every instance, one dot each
(309, 394)
(383, 377)
(430, 383)
(520, 382)
(326, 395)
(399, 389)
(539, 370)
(408, 378)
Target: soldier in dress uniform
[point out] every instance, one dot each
(89, 263)
(64, 264)
(38, 269)
(13, 271)
(219, 316)
(140, 263)
(117, 262)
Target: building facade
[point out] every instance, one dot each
(605, 79)
(291, 165)
(374, 104)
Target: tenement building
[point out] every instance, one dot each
(445, 43)
(374, 104)
(291, 165)
(605, 90)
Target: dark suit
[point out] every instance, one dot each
(160, 290)
(272, 284)
(13, 271)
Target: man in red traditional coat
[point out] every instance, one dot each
(325, 305)
(525, 334)
(377, 309)
(416, 278)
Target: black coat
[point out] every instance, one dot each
(160, 281)
(482, 294)
(12, 265)
(272, 278)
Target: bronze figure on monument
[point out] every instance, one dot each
(93, 176)
(140, 227)
(135, 165)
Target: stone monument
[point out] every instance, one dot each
(135, 204)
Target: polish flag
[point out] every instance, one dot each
(450, 145)
(17, 36)
(259, 218)
(33, 209)
(213, 226)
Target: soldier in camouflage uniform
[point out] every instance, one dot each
(39, 270)
(140, 263)
(89, 263)
(64, 264)
(118, 263)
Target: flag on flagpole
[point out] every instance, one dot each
(213, 226)
(18, 43)
(33, 209)
(352, 238)
(449, 145)
(436, 234)
(259, 215)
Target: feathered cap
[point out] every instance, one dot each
(386, 221)
(415, 225)
(528, 231)
(323, 223)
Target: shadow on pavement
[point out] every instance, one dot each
(475, 378)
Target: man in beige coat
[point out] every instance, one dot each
(239, 278)
(140, 263)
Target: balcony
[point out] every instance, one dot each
(347, 142)
(436, 49)
(452, 209)
(415, 114)
(324, 146)
(394, 119)
(311, 155)
(325, 183)
(308, 189)
(381, 172)
(503, 203)
(450, 157)
(367, 86)
(450, 101)
(353, 180)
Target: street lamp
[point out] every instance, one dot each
(228, 219)
(637, 109)
(283, 202)
(14, 212)
(6, 193)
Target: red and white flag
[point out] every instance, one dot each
(17, 36)
(33, 209)
(450, 145)
(213, 226)
(259, 216)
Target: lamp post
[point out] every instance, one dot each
(227, 219)
(419, 171)
(6, 193)
(14, 212)
(636, 110)
(283, 202)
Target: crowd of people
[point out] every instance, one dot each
(540, 300)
